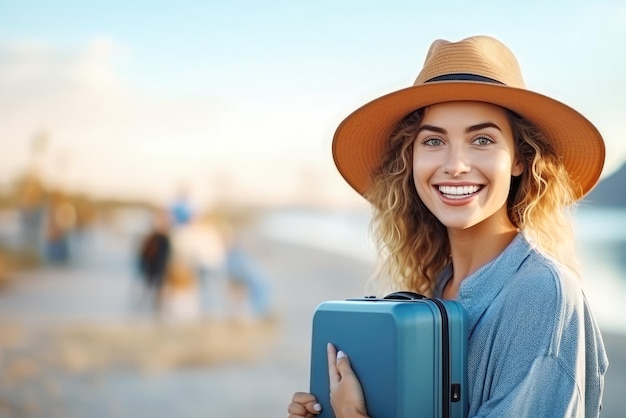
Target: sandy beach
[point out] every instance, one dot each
(70, 346)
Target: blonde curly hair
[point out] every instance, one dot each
(413, 245)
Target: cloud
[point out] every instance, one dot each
(35, 69)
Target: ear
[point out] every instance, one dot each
(518, 168)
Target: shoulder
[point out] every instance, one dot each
(543, 283)
(543, 303)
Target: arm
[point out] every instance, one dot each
(346, 395)
(541, 388)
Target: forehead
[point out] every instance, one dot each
(465, 113)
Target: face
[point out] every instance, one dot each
(463, 160)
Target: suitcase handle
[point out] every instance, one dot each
(404, 295)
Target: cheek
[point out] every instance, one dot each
(422, 173)
(501, 174)
(499, 164)
(500, 167)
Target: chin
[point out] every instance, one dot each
(455, 222)
(459, 226)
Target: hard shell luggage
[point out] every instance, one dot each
(408, 351)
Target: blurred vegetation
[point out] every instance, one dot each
(29, 192)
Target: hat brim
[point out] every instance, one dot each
(360, 140)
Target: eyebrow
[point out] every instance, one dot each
(469, 129)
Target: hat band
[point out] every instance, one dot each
(463, 77)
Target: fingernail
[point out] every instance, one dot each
(340, 354)
(317, 407)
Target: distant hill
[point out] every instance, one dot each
(611, 191)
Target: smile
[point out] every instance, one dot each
(458, 192)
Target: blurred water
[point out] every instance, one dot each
(600, 233)
(601, 239)
(345, 233)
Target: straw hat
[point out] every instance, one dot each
(478, 68)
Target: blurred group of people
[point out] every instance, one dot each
(193, 265)
(190, 264)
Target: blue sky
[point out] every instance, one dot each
(252, 90)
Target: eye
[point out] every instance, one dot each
(433, 141)
(482, 140)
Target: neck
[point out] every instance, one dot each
(474, 247)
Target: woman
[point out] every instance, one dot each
(470, 176)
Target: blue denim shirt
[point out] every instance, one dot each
(534, 347)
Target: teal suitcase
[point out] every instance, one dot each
(408, 351)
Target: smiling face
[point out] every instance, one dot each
(463, 160)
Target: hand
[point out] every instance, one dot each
(346, 394)
(303, 405)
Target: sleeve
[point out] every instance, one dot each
(535, 361)
(542, 388)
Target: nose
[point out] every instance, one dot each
(456, 161)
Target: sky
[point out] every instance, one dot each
(240, 99)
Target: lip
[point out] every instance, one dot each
(458, 200)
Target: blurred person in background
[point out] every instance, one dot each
(247, 282)
(199, 244)
(60, 221)
(154, 256)
(179, 295)
(181, 211)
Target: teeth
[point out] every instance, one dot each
(458, 192)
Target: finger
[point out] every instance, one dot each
(304, 404)
(304, 410)
(333, 374)
(343, 364)
(297, 410)
(303, 397)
